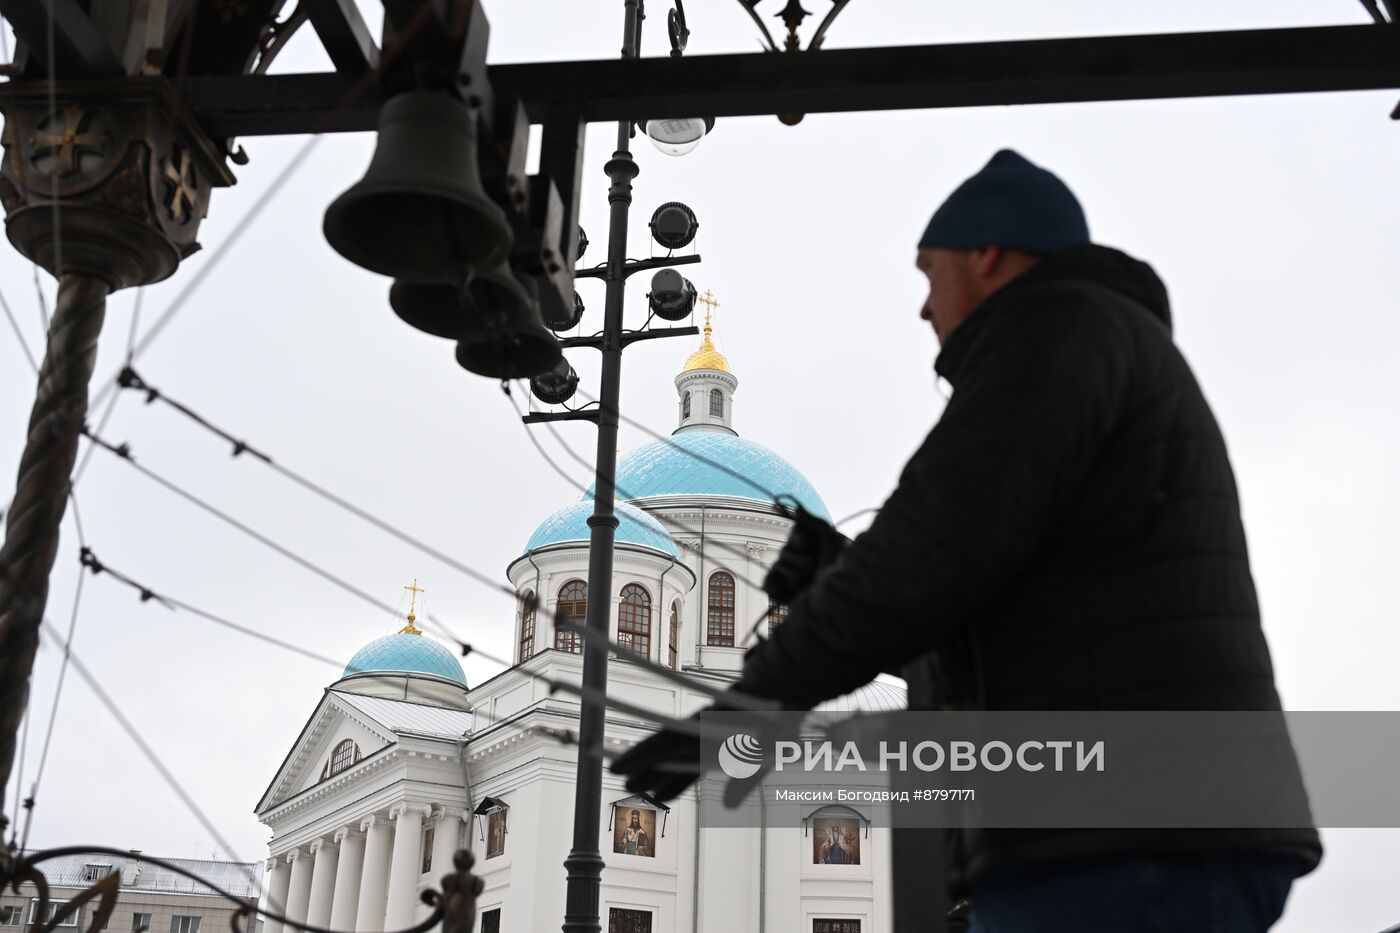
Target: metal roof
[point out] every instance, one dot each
(237, 878)
(401, 716)
(409, 654)
(633, 527)
(701, 464)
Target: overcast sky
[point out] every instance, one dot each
(1273, 220)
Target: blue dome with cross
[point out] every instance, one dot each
(407, 652)
(712, 464)
(569, 525)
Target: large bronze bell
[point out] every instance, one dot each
(512, 342)
(420, 214)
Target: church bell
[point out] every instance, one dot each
(510, 340)
(419, 214)
(437, 308)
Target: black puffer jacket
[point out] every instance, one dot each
(1067, 537)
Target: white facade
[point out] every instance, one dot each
(350, 846)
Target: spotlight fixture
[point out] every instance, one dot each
(555, 386)
(676, 137)
(672, 297)
(560, 326)
(673, 225)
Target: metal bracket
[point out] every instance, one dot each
(637, 265)
(538, 417)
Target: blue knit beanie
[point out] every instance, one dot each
(1012, 203)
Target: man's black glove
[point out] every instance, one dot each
(812, 545)
(662, 765)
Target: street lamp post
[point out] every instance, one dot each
(584, 863)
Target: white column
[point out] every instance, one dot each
(299, 890)
(447, 839)
(346, 900)
(276, 893)
(374, 880)
(405, 864)
(318, 910)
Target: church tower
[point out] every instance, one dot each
(706, 386)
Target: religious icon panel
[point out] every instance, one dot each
(634, 830)
(835, 841)
(628, 921)
(495, 832)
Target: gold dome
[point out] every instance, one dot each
(707, 357)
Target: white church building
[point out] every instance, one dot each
(402, 761)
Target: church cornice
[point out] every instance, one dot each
(361, 771)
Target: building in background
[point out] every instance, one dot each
(402, 762)
(149, 897)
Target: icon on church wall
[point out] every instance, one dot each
(835, 842)
(495, 833)
(634, 831)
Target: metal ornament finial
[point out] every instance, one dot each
(410, 628)
(710, 302)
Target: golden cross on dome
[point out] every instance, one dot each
(410, 628)
(709, 301)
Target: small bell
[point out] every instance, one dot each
(513, 343)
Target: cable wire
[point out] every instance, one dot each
(19, 334)
(135, 323)
(123, 452)
(625, 494)
(137, 347)
(130, 379)
(775, 498)
(31, 802)
(150, 753)
(38, 286)
(91, 562)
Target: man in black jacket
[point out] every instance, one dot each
(1068, 537)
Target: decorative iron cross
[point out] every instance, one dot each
(71, 141)
(415, 589)
(183, 190)
(709, 301)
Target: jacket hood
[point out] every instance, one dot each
(1101, 265)
(1108, 267)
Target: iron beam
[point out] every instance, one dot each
(345, 35)
(1039, 71)
(79, 51)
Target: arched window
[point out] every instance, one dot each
(673, 640)
(685, 405)
(777, 612)
(345, 755)
(527, 625)
(573, 605)
(717, 403)
(720, 622)
(634, 619)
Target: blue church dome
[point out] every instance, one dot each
(406, 653)
(672, 468)
(570, 524)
